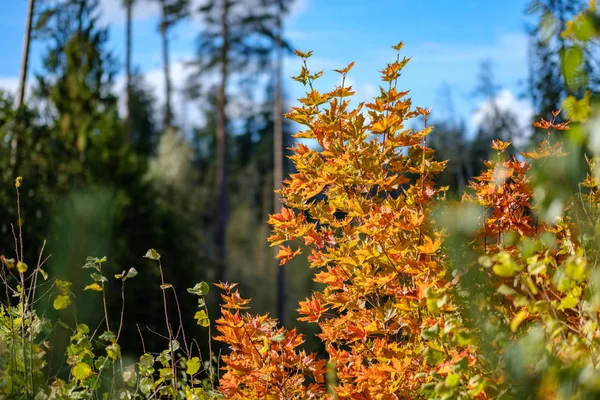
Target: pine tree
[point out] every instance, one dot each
(497, 123)
(23, 73)
(171, 12)
(79, 76)
(549, 80)
(143, 131)
(233, 40)
(128, 4)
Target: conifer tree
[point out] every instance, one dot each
(79, 75)
(23, 72)
(128, 4)
(555, 63)
(237, 36)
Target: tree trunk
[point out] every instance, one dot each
(166, 68)
(221, 178)
(129, 6)
(22, 75)
(278, 159)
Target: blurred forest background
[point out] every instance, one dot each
(115, 172)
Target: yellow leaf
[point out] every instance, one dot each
(93, 286)
(578, 110)
(303, 55)
(345, 70)
(517, 319)
(429, 246)
(21, 267)
(82, 371)
(398, 46)
(193, 366)
(285, 254)
(61, 302)
(202, 318)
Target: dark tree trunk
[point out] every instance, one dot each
(129, 6)
(166, 68)
(221, 178)
(278, 158)
(23, 75)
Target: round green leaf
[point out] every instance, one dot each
(193, 365)
(152, 254)
(82, 371)
(61, 302)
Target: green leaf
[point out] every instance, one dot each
(61, 302)
(193, 365)
(146, 360)
(452, 380)
(94, 262)
(569, 301)
(164, 358)
(98, 278)
(577, 110)
(152, 254)
(576, 268)
(200, 289)
(131, 273)
(505, 266)
(585, 28)
(202, 318)
(10, 263)
(83, 329)
(100, 363)
(572, 59)
(280, 337)
(536, 268)
(113, 351)
(146, 385)
(108, 336)
(432, 305)
(505, 290)
(130, 376)
(485, 261)
(433, 356)
(127, 275)
(431, 332)
(82, 371)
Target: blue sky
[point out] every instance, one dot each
(447, 40)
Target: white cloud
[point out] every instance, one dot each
(509, 47)
(9, 84)
(506, 101)
(113, 11)
(297, 9)
(186, 111)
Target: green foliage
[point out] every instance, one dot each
(94, 359)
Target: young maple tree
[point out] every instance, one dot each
(360, 205)
(264, 362)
